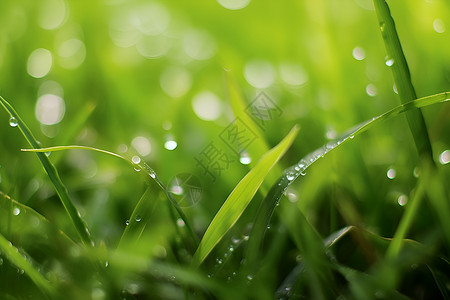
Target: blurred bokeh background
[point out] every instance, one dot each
(148, 78)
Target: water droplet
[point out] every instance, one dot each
(352, 137)
(106, 264)
(290, 176)
(138, 218)
(292, 197)
(170, 145)
(234, 4)
(13, 122)
(391, 173)
(137, 169)
(219, 260)
(389, 62)
(371, 90)
(382, 26)
(416, 172)
(235, 240)
(439, 26)
(249, 277)
(180, 223)
(268, 226)
(358, 53)
(402, 200)
(444, 157)
(245, 158)
(136, 159)
(16, 211)
(152, 174)
(127, 222)
(231, 249)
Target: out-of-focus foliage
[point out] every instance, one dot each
(147, 79)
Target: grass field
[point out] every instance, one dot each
(228, 149)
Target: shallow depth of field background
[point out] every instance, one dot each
(148, 78)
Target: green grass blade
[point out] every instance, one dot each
(52, 173)
(20, 261)
(267, 208)
(259, 146)
(240, 197)
(293, 172)
(20, 219)
(407, 219)
(139, 218)
(140, 165)
(402, 77)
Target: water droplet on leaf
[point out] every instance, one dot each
(13, 122)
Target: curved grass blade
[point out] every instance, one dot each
(52, 173)
(258, 147)
(21, 261)
(139, 218)
(293, 172)
(402, 77)
(240, 197)
(138, 164)
(407, 219)
(269, 204)
(27, 220)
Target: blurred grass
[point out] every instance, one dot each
(322, 63)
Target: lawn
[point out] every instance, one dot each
(228, 149)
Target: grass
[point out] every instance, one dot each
(361, 217)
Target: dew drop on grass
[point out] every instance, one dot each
(136, 159)
(127, 222)
(444, 157)
(391, 173)
(138, 218)
(402, 200)
(219, 261)
(249, 277)
(13, 122)
(382, 26)
(290, 176)
(371, 90)
(16, 211)
(358, 53)
(245, 159)
(170, 145)
(180, 223)
(389, 62)
(416, 172)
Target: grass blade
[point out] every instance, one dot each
(18, 218)
(52, 173)
(138, 164)
(267, 207)
(402, 77)
(240, 197)
(139, 218)
(21, 262)
(259, 146)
